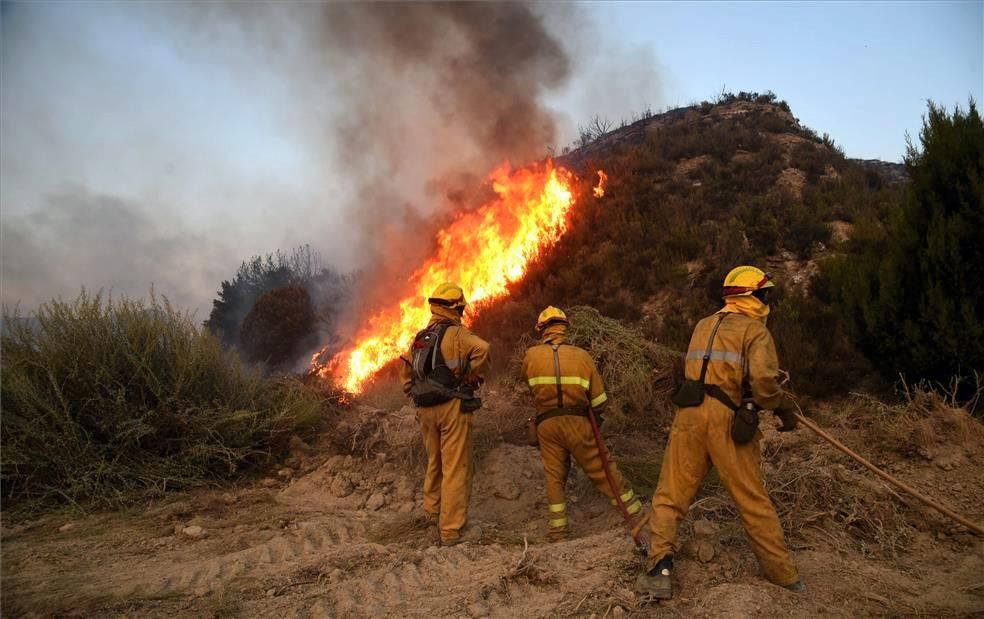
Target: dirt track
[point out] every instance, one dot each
(310, 547)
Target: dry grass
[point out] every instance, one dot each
(397, 528)
(110, 400)
(913, 428)
(813, 484)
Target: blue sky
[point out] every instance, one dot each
(860, 71)
(200, 141)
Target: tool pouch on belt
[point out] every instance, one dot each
(470, 405)
(691, 392)
(531, 437)
(744, 423)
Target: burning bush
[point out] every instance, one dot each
(108, 400)
(277, 325)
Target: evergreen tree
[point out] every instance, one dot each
(279, 324)
(236, 298)
(912, 293)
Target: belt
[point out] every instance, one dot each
(559, 412)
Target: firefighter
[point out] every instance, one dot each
(446, 364)
(565, 382)
(731, 355)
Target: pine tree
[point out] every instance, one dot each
(913, 296)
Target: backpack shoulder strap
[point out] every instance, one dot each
(437, 357)
(710, 343)
(560, 391)
(714, 390)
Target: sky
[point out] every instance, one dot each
(141, 146)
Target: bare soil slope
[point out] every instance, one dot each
(336, 536)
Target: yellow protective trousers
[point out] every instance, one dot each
(448, 479)
(701, 437)
(565, 436)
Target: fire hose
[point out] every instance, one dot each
(616, 492)
(877, 471)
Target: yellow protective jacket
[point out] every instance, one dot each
(466, 354)
(580, 382)
(743, 359)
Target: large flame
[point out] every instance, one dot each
(482, 250)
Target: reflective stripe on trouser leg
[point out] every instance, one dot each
(630, 500)
(581, 440)
(556, 466)
(557, 515)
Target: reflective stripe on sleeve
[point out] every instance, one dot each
(559, 522)
(599, 400)
(717, 355)
(557, 507)
(634, 507)
(564, 380)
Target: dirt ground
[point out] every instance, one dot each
(332, 533)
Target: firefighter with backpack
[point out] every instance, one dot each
(445, 365)
(567, 388)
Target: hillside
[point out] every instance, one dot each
(695, 191)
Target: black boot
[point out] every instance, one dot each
(656, 584)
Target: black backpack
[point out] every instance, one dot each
(433, 381)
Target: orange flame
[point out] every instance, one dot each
(482, 250)
(599, 189)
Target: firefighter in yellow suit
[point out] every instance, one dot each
(564, 382)
(446, 428)
(742, 361)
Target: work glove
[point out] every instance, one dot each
(788, 419)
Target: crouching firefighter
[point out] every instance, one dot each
(445, 366)
(731, 373)
(565, 384)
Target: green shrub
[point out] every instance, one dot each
(108, 400)
(813, 345)
(805, 229)
(911, 292)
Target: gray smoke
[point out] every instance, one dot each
(436, 95)
(112, 244)
(379, 120)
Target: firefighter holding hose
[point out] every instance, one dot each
(567, 389)
(731, 373)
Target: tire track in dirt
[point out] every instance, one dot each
(309, 541)
(431, 584)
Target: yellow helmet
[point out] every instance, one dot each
(549, 316)
(448, 295)
(744, 280)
